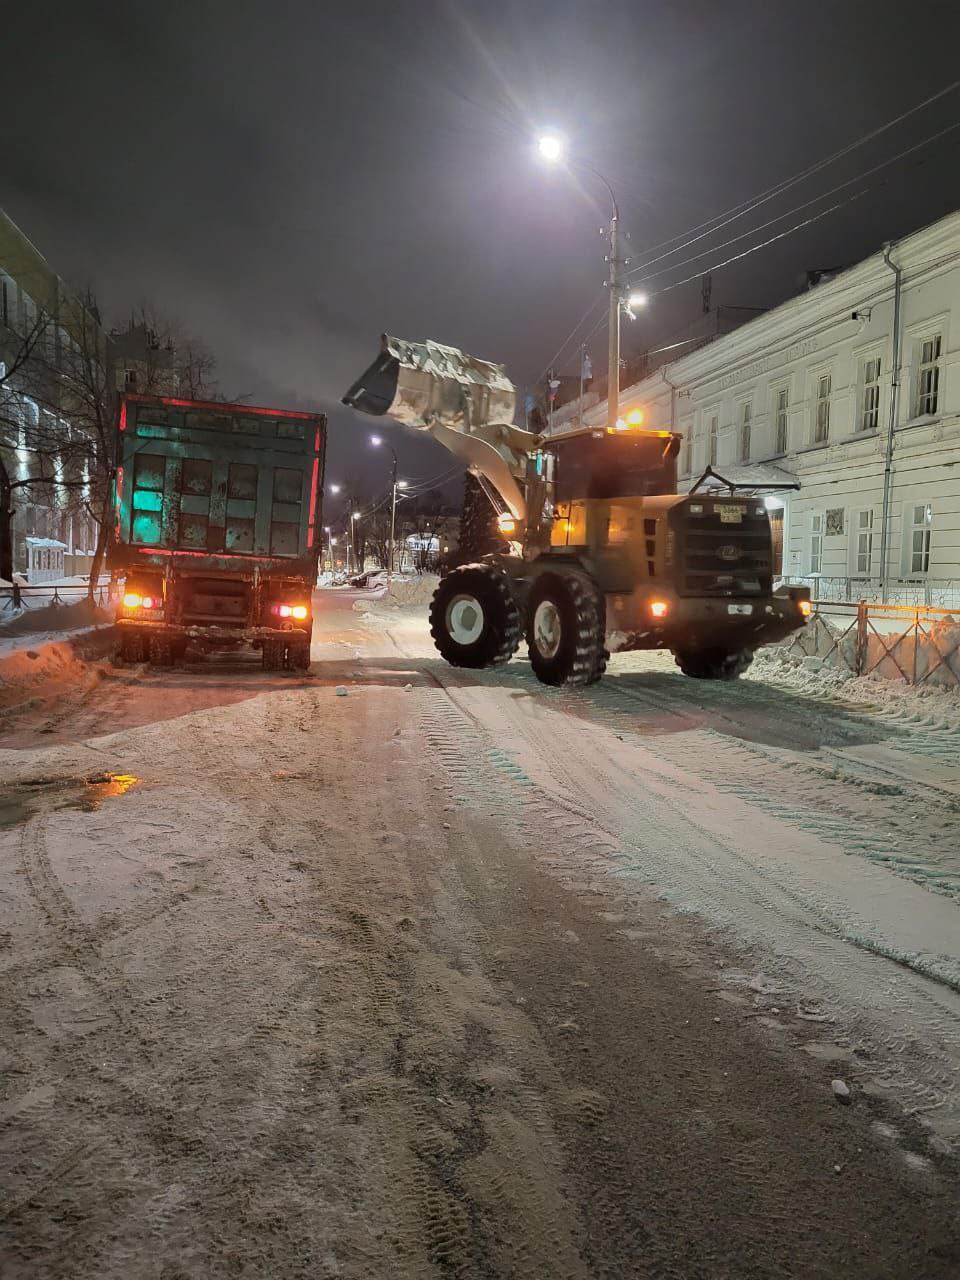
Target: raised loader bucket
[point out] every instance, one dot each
(465, 403)
(421, 383)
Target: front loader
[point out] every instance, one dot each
(599, 552)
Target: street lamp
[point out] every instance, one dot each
(376, 441)
(335, 488)
(552, 149)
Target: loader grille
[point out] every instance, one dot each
(723, 548)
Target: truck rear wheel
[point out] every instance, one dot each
(474, 619)
(713, 664)
(565, 629)
(271, 654)
(297, 655)
(134, 646)
(161, 651)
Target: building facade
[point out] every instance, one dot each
(47, 336)
(842, 406)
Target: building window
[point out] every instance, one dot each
(746, 421)
(130, 379)
(713, 440)
(821, 432)
(783, 404)
(928, 380)
(870, 395)
(687, 450)
(917, 541)
(862, 531)
(816, 542)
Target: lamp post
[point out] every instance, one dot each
(376, 441)
(352, 531)
(552, 149)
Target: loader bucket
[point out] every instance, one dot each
(425, 384)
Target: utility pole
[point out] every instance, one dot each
(552, 150)
(613, 324)
(393, 517)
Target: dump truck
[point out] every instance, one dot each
(217, 529)
(597, 552)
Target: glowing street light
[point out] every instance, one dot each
(637, 300)
(551, 148)
(335, 488)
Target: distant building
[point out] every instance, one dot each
(143, 363)
(855, 430)
(53, 532)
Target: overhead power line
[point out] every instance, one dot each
(747, 206)
(933, 137)
(720, 220)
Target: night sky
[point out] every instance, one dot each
(288, 179)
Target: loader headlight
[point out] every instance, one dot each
(506, 523)
(659, 608)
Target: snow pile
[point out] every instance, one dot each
(417, 590)
(55, 617)
(777, 665)
(932, 651)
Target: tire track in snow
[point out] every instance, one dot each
(633, 836)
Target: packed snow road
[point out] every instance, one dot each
(456, 975)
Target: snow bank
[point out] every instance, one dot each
(411, 591)
(55, 617)
(930, 653)
(777, 664)
(30, 672)
(401, 593)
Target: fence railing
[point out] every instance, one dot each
(916, 645)
(929, 593)
(15, 598)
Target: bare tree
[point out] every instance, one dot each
(42, 456)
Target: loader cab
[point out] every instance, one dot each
(603, 464)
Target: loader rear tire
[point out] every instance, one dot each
(474, 619)
(713, 664)
(565, 629)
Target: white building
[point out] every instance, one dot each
(848, 396)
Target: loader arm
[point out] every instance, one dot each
(465, 404)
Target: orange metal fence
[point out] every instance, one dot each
(917, 645)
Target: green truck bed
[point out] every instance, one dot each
(219, 487)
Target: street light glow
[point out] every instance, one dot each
(637, 300)
(402, 484)
(375, 440)
(335, 488)
(551, 148)
(355, 515)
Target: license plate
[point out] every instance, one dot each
(729, 514)
(740, 608)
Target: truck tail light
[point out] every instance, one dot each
(134, 600)
(296, 611)
(806, 607)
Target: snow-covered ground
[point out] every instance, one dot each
(454, 974)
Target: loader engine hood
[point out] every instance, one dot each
(464, 403)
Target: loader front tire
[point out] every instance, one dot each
(565, 629)
(474, 619)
